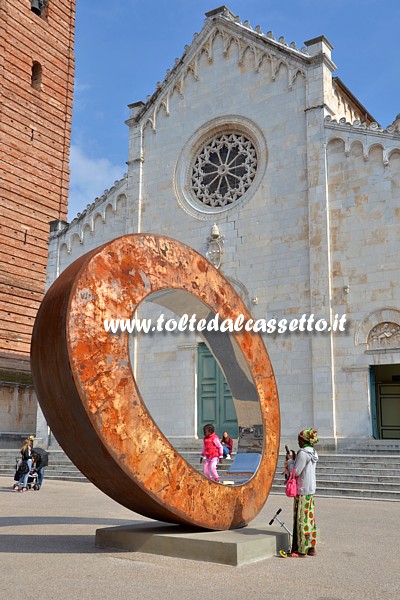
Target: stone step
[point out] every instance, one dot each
(52, 458)
(376, 447)
(345, 465)
(50, 469)
(366, 447)
(380, 481)
(345, 478)
(323, 457)
(354, 464)
(359, 494)
(351, 455)
(51, 466)
(339, 475)
(365, 458)
(12, 461)
(334, 472)
(369, 469)
(327, 489)
(346, 461)
(49, 474)
(354, 469)
(66, 477)
(370, 485)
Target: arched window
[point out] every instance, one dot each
(36, 80)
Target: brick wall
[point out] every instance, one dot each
(36, 86)
(35, 129)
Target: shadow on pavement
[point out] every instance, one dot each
(31, 520)
(48, 544)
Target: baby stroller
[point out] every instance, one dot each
(32, 482)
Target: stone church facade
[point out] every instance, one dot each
(253, 153)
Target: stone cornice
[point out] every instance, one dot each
(369, 136)
(323, 58)
(87, 216)
(359, 127)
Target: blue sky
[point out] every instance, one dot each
(123, 48)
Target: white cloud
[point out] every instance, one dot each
(80, 87)
(89, 178)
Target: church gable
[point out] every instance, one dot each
(224, 38)
(232, 80)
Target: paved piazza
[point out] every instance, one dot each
(49, 537)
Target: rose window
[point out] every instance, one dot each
(224, 170)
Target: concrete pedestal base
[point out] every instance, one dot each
(237, 547)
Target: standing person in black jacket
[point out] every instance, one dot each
(41, 458)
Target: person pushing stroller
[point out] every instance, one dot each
(23, 468)
(41, 460)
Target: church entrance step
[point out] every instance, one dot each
(368, 476)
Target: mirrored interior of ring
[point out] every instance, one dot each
(166, 366)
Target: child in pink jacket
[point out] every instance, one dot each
(212, 452)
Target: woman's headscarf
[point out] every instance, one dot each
(310, 436)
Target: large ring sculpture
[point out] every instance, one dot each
(90, 399)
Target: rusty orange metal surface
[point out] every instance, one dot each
(89, 396)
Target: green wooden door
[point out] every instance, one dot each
(214, 399)
(389, 411)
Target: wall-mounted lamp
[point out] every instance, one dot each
(346, 289)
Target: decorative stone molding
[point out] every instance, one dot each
(357, 124)
(119, 186)
(379, 330)
(262, 47)
(186, 195)
(85, 222)
(369, 137)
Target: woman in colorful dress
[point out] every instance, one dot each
(304, 525)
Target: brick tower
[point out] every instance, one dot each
(36, 87)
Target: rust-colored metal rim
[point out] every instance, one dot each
(90, 399)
